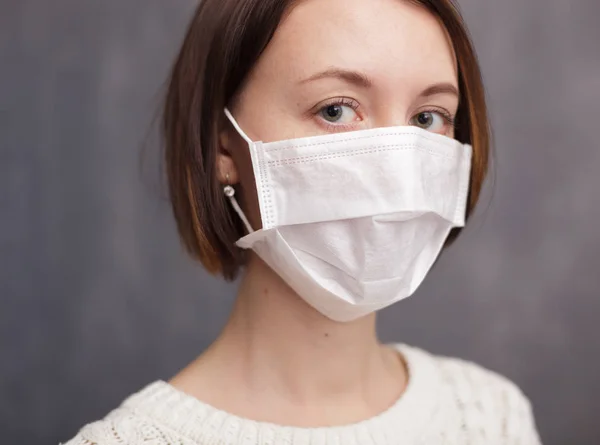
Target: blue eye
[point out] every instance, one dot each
(332, 113)
(433, 121)
(338, 113)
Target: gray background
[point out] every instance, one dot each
(98, 298)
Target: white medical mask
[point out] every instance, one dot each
(353, 221)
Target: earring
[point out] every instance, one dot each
(228, 189)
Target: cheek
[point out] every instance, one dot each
(272, 119)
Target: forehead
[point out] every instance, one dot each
(388, 40)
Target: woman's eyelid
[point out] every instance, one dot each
(352, 112)
(356, 107)
(432, 109)
(337, 127)
(444, 110)
(340, 100)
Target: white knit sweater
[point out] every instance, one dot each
(447, 402)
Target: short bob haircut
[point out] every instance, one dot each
(223, 42)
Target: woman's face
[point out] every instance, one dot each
(345, 65)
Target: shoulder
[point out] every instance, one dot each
(119, 427)
(474, 380)
(132, 423)
(481, 397)
(123, 426)
(463, 375)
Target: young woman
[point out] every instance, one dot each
(328, 151)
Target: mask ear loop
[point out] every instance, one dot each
(228, 189)
(237, 127)
(230, 193)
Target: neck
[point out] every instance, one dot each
(279, 360)
(284, 343)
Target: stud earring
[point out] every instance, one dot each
(228, 189)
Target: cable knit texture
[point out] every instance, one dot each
(447, 402)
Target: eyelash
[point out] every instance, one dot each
(450, 120)
(346, 101)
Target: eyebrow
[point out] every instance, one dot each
(364, 81)
(440, 88)
(353, 77)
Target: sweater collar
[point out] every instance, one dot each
(202, 423)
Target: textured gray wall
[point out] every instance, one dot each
(98, 299)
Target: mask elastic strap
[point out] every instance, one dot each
(237, 127)
(228, 189)
(230, 193)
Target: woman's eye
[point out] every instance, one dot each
(431, 121)
(338, 114)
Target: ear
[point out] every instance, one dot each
(227, 172)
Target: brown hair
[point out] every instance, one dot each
(222, 44)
